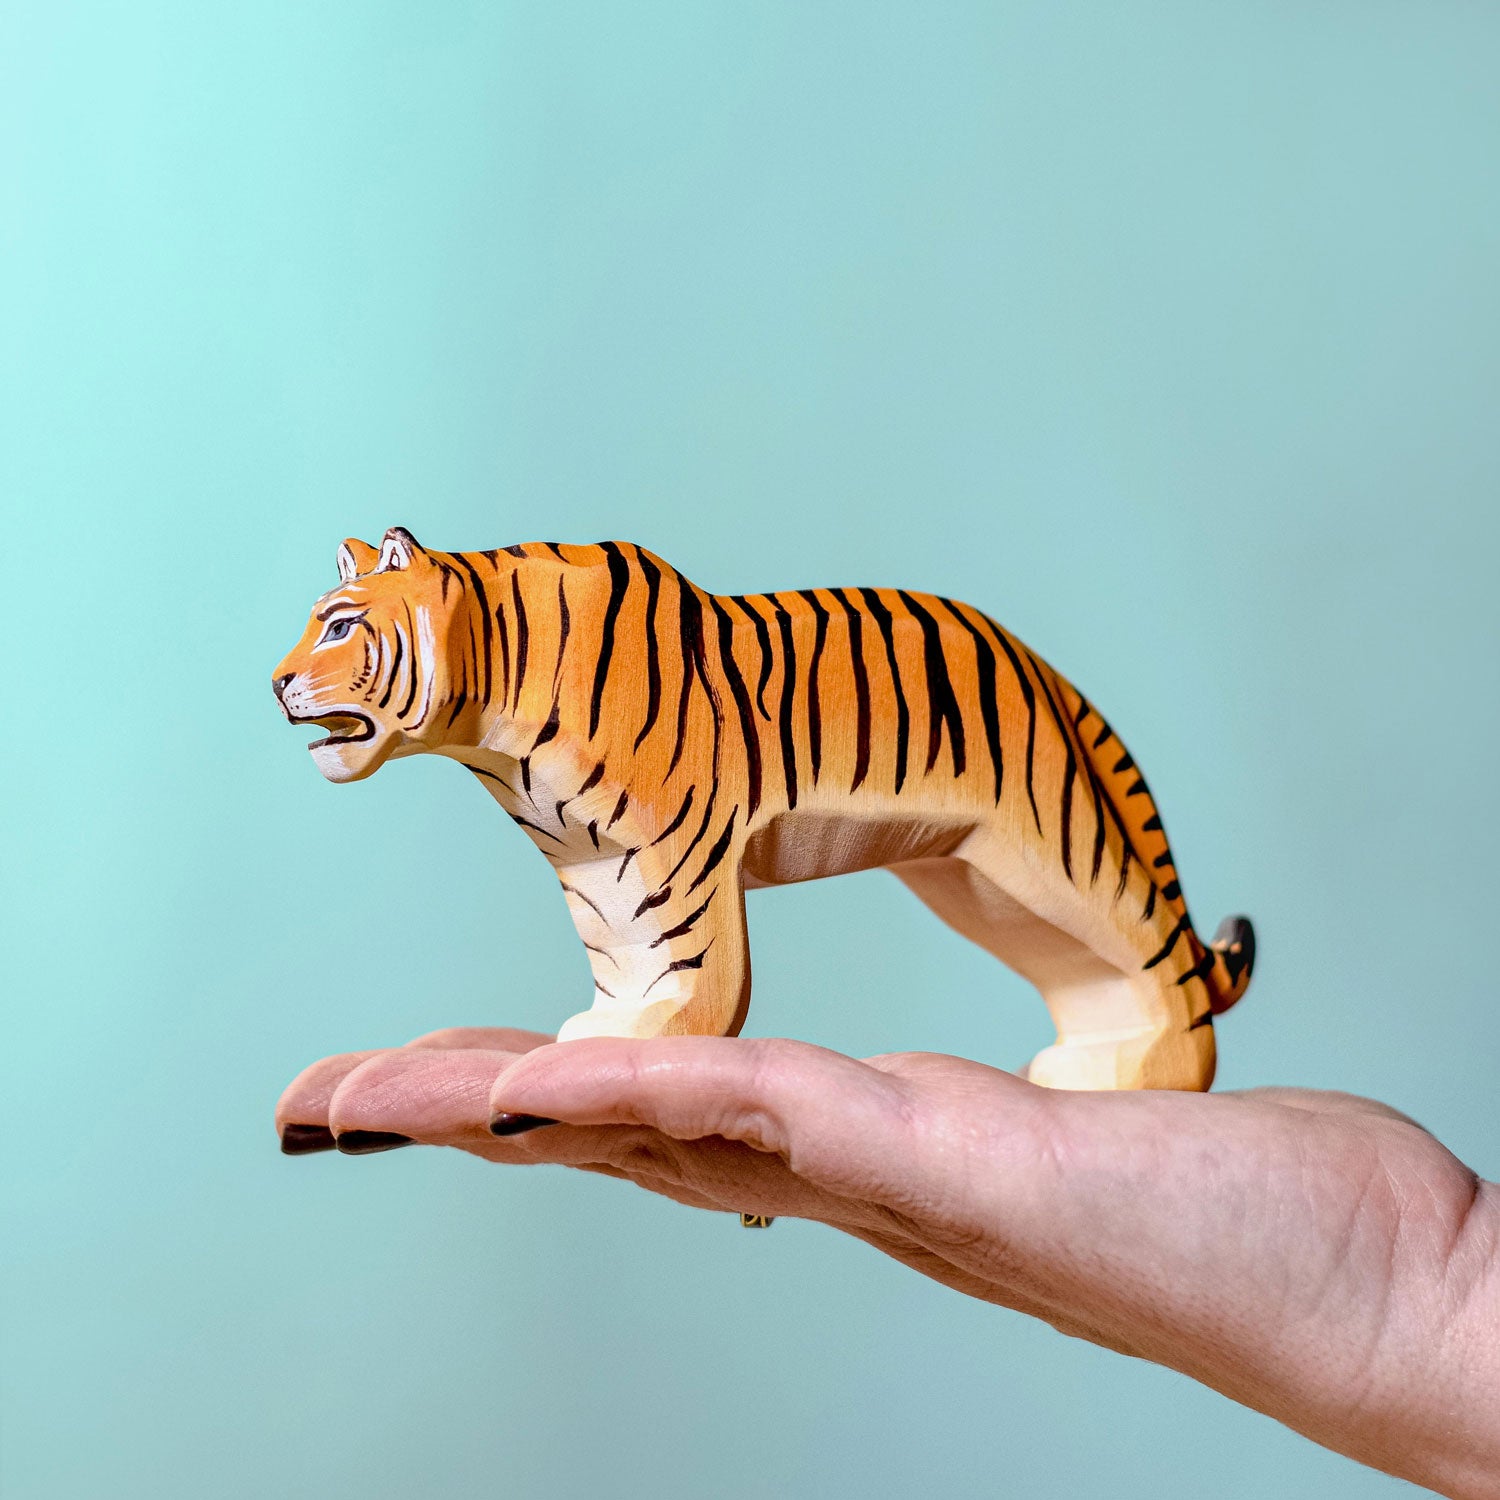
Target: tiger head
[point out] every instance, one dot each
(371, 667)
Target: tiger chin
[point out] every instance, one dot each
(667, 749)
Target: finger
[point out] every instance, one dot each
(440, 1096)
(302, 1111)
(436, 1096)
(834, 1120)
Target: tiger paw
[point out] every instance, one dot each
(1181, 1060)
(620, 1020)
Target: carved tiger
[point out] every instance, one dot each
(667, 749)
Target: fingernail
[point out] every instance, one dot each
(367, 1142)
(303, 1140)
(505, 1124)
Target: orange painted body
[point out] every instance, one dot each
(666, 749)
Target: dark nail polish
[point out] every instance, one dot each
(367, 1142)
(303, 1140)
(516, 1124)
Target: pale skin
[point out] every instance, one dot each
(1316, 1256)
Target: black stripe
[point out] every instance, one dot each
(523, 636)
(763, 640)
(549, 730)
(379, 675)
(720, 848)
(491, 776)
(814, 708)
(1103, 735)
(591, 781)
(564, 623)
(1100, 800)
(546, 733)
(504, 654)
(484, 617)
(619, 811)
(413, 664)
(986, 670)
(1178, 929)
(686, 925)
(630, 854)
(695, 962)
(1171, 891)
(690, 631)
(903, 713)
(1125, 762)
(574, 891)
(619, 582)
(861, 687)
(741, 696)
(1127, 854)
(654, 899)
(708, 812)
(942, 705)
(1150, 905)
(676, 822)
(1097, 862)
(1200, 969)
(515, 549)
(1028, 696)
(555, 550)
(537, 828)
(390, 685)
(788, 699)
(1152, 824)
(1070, 769)
(653, 658)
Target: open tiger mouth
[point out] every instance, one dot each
(344, 728)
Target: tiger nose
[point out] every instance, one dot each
(279, 685)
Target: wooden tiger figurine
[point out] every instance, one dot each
(667, 749)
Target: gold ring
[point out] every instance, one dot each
(756, 1221)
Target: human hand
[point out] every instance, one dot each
(1316, 1256)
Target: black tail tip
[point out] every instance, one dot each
(1235, 942)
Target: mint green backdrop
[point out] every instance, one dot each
(1166, 332)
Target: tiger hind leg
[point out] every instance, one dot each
(1117, 1027)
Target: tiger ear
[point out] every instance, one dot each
(397, 550)
(355, 557)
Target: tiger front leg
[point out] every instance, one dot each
(662, 965)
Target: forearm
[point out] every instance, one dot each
(1411, 1387)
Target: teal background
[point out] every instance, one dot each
(1168, 333)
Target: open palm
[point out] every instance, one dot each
(1316, 1256)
